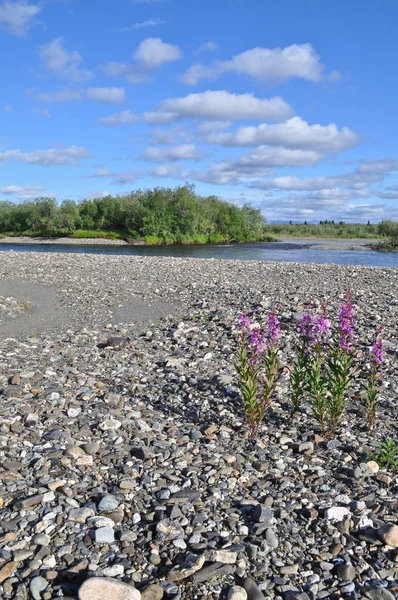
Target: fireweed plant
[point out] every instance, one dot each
(340, 363)
(376, 360)
(258, 367)
(317, 330)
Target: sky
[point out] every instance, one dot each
(289, 105)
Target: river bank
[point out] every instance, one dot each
(127, 459)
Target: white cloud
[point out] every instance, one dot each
(22, 191)
(122, 118)
(118, 178)
(63, 63)
(53, 156)
(19, 16)
(165, 171)
(106, 95)
(8, 108)
(175, 153)
(294, 133)
(209, 46)
(259, 163)
(267, 65)
(368, 172)
(151, 54)
(220, 105)
(60, 96)
(169, 136)
(212, 127)
(143, 24)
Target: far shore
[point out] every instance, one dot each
(320, 243)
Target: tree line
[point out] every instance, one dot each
(161, 215)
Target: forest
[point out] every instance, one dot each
(169, 216)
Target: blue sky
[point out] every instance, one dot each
(289, 104)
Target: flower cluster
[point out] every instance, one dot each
(273, 328)
(346, 324)
(377, 351)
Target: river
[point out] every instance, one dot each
(292, 251)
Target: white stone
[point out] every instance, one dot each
(104, 588)
(336, 513)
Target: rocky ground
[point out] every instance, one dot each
(125, 471)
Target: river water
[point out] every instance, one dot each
(281, 251)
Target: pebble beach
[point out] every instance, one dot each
(124, 463)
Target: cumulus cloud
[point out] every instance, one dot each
(294, 133)
(367, 172)
(266, 65)
(63, 63)
(61, 96)
(165, 171)
(46, 158)
(151, 54)
(125, 117)
(106, 95)
(117, 178)
(220, 105)
(19, 16)
(259, 163)
(24, 192)
(212, 127)
(172, 154)
(143, 24)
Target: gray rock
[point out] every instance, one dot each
(211, 572)
(37, 586)
(237, 593)
(167, 530)
(378, 593)
(345, 572)
(108, 503)
(252, 589)
(104, 535)
(263, 514)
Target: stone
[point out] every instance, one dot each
(37, 586)
(167, 530)
(191, 565)
(152, 592)
(104, 535)
(252, 589)
(110, 424)
(306, 448)
(263, 514)
(345, 572)
(228, 557)
(80, 515)
(373, 466)
(213, 571)
(336, 513)
(378, 593)
(41, 539)
(105, 588)
(114, 570)
(108, 503)
(289, 570)
(388, 534)
(7, 570)
(237, 593)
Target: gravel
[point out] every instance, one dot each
(124, 467)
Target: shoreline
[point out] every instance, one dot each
(314, 242)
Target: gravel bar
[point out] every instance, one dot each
(125, 471)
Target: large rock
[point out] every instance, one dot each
(104, 588)
(388, 533)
